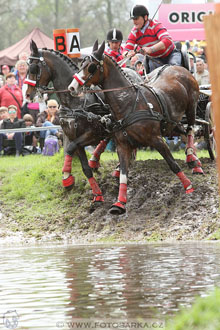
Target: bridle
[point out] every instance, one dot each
(35, 68)
(92, 69)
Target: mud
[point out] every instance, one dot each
(158, 207)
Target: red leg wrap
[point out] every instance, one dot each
(116, 172)
(122, 196)
(93, 163)
(68, 182)
(99, 149)
(96, 190)
(190, 141)
(67, 167)
(186, 182)
(191, 158)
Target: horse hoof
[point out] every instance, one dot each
(95, 205)
(197, 170)
(94, 164)
(117, 210)
(98, 199)
(69, 182)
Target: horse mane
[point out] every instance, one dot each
(63, 57)
(119, 68)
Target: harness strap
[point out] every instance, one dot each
(79, 79)
(162, 103)
(137, 116)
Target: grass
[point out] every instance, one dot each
(203, 315)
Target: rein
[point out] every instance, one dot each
(90, 90)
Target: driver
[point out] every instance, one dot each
(152, 38)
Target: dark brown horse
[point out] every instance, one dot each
(144, 113)
(80, 117)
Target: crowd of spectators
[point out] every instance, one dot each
(18, 112)
(44, 112)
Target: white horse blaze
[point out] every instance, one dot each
(75, 82)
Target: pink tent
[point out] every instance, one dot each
(9, 55)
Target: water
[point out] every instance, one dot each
(49, 286)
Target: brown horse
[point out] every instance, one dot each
(80, 117)
(144, 113)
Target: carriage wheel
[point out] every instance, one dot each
(209, 132)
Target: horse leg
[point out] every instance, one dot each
(116, 172)
(94, 160)
(97, 194)
(164, 150)
(68, 179)
(191, 157)
(120, 206)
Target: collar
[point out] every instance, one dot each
(144, 28)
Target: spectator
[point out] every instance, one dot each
(21, 72)
(191, 63)
(31, 108)
(202, 75)
(23, 56)
(5, 71)
(3, 114)
(12, 122)
(139, 67)
(135, 58)
(49, 117)
(30, 138)
(10, 94)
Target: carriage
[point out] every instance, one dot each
(204, 120)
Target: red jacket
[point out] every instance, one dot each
(7, 99)
(117, 56)
(149, 35)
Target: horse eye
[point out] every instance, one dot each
(92, 68)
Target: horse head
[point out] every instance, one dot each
(39, 73)
(92, 69)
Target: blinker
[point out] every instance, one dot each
(92, 68)
(33, 68)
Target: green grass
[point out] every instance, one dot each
(147, 154)
(203, 315)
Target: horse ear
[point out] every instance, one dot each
(33, 47)
(100, 51)
(98, 54)
(95, 46)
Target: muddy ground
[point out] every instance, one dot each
(157, 210)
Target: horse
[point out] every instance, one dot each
(144, 113)
(84, 120)
(80, 117)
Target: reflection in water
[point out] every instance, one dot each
(46, 285)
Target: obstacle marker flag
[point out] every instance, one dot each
(67, 41)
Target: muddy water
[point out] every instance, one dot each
(51, 287)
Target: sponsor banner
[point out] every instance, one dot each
(185, 21)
